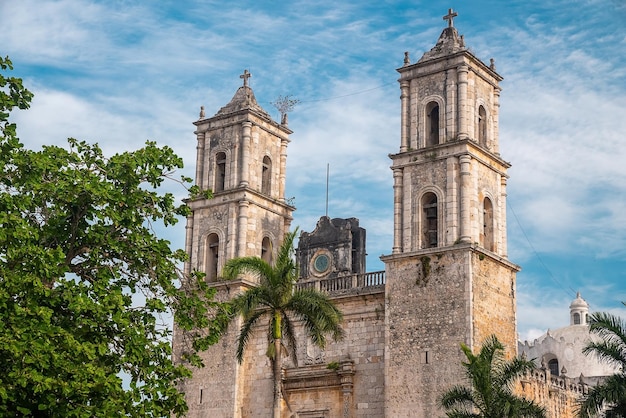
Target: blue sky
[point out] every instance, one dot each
(121, 72)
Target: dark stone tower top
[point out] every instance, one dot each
(335, 248)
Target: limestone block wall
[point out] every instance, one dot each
(558, 395)
(213, 391)
(427, 317)
(225, 389)
(493, 301)
(363, 347)
(437, 299)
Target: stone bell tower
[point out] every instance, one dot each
(448, 278)
(241, 157)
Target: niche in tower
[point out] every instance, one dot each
(432, 124)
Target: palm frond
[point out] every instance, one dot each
(458, 396)
(511, 371)
(289, 334)
(319, 315)
(245, 332)
(247, 302)
(255, 266)
(285, 255)
(492, 378)
(612, 331)
(611, 391)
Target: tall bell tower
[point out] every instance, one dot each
(448, 278)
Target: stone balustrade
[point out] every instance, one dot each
(373, 281)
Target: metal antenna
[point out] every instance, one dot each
(327, 175)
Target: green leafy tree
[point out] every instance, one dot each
(278, 301)
(492, 379)
(86, 286)
(609, 397)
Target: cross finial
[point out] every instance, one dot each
(450, 17)
(246, 75)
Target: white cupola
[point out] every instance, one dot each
(579, 311)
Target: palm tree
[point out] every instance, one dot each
(492, 379)
(277, 300)
(610, 395)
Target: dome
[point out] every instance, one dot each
(579, 303)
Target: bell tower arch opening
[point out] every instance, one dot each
(487, 236)
(432, 124)
(212, 257)
(482, 126)
(220, 171)
(266, 176)
(430, 220)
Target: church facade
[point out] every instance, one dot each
(447, 278)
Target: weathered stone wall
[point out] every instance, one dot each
(232, 390)
(493, 301)
(436, 300)
(427, 317)
(215, 389)
(558, 395)
(363, 346)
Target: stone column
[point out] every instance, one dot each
(200, 158)
(462, 106)
(283, 169)
(242, 228)
(502, 218)
(495, 140)
(245, 158)
(189, 244)
(451, 111)
(465, 161)
(452, 202)
(405, 120)
(346, 375)
(398, 195)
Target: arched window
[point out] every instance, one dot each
(430, 224)
(487, 234)
(266, 176)
(576, 318)
(432, 124)
(220, 171)
(212, 254)
(266, 250)
(482, 126)
(553, 365)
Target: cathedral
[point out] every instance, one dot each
(447, 278)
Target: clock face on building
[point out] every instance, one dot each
(321, 263)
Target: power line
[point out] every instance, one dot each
(326, 99)
(532, 247)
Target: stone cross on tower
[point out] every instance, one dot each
(246, 75)
(450, 17)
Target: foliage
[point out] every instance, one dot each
(610, 395)
(492, 380)
(278, 301)
(86, 286)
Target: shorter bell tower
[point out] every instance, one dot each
(241, 157)
(448, 278)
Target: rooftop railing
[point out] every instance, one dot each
(343, 284)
